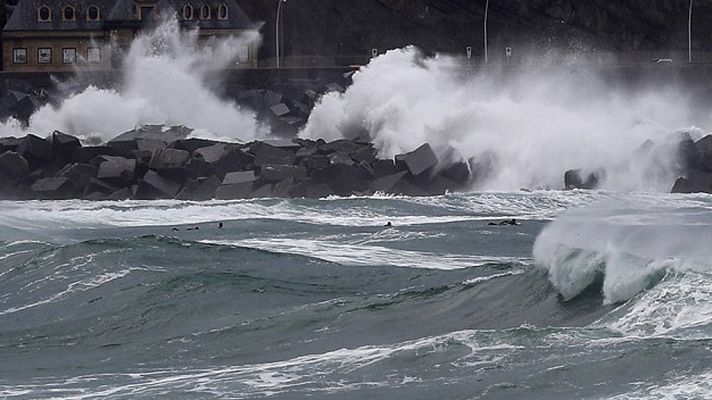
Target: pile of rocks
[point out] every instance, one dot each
(163, 163)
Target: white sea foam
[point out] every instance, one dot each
(165, 81)
(363, 255)
(697, 386)
(537, 121)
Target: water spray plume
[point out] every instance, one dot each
(534, 122)
(165, 80)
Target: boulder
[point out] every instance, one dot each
(121, 194)
(78, 173)
(13, 165)
(280, 110)
(197, 167)
(342, 145)
(224, 158)
(168, 159)
(232, 178)
(37, 151)
(693, 182)
(263, 191)
(192, 144)
(577, 179)
(382, 168)
(163, 133)
(9, 143)
(267, 154)
(88, 153)
(316, 161)
(704, 146)
(97, 186)
(154, 186)
(63, 146)
(117, 169)
(344, 180)
(689, 156)
(366, 153)
(387, 183)
(318, 191)
(342, 158)
(231, 192)
(457, 172)
(200, 189)
(275, 173)
(420, 159)
(53, 188)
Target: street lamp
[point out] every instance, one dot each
(486, 11)
(689, 34)
(276, 29)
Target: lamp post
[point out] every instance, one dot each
(276, 30)
(689, 34)
(485, 36)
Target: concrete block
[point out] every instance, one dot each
(199, 189)
(232, 192)
(387, 183)
(53, 188)
(13, 165)
(275, 173)
(420, 159)
(154, 186)
(269, 155)
(168, 159)
(232, 178)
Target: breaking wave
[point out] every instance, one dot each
(532, 123)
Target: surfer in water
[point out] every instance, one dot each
(512, 221)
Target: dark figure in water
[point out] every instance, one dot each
(220, 225)
(388, 225)
(512, 221)
(175, 229)
(194, 229)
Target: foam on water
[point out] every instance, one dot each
(535, 122)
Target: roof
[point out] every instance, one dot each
(24, 17)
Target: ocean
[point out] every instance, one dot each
(594, 295)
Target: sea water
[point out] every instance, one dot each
(595, 295)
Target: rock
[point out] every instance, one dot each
(53, 188)
(318, 191)
(199, 189)
(269, 155)
(576, 179)
(78, 173)
(344, 180)
(275, 173)
(163, 133)
(689, 156)
(9, 143)
(154, 186)
(117, 169)
(198, 167)
(25, 107)
(382, 168)
(37, 151)
(97, 186)
(316, 161)
(263, 191)
(279, 110)
(693, 182)
(224, 158)
(13, 165)
(232, 178)
(237, 191)
(121, 194)
(282, 189)
(63, 146)
(387, 183)
(704, 146)
(343, 145)
(420, 159)
(458, 173)
(192, 144)
(366, 153)
(87, 153)
(409, 189)
(96, 196)
(168, 159)
(150, 146)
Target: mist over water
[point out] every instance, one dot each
(535, 121)
(166, 75)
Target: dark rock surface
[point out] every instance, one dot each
(162, 163)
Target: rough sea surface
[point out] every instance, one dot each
(594, 295)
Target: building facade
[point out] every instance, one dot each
(71, 35)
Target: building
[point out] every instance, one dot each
(71, 35)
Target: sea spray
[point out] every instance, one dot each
(534, 121)
(627, 246)
(165, 80)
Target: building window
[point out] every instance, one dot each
(244, 54)
(44, 14)
(93, 13)
(19, 56)
(68, 13)
(187, 11)
(146, 13)
(69, 56)
(222, 11)
(205, 11)
(44, 55)
(93, 55)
